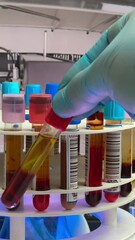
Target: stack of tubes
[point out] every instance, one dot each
(37, 159)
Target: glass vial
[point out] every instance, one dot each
(114, 115)
(34, 158)
(13, 155)
(93, 158)
(40, 105)
(69, 169)
(13, 116)
(126, 169)
(41, 182)
(30, 89)
(93, 167)
(52, 88)
(112, 167)
(133, 152)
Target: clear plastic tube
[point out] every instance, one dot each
(133, 152)
(41, 181)
(94, 157)
(126, 161)
(39, 106)
(13, 112)
(114, 115)
(112, 168)
(13, 156)
(94, 167)
(41, 201)
(69, 169)
(34, 158)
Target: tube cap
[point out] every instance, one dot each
(10, 88)
(52, 88)
(40, 105)
(75, 122)
(56, 121)
(31, 89)
(113, 111)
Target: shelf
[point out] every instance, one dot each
(55, 209)
(124, 229)
(82, 189)
(64, 15)
(26, 208)
(27, 129)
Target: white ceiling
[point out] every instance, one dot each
(78, 15)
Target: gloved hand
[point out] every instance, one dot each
(106, 71)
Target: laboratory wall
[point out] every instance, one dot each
(22, 39)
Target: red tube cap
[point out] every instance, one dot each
(56, 121)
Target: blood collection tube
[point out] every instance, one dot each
(114, 114)
(40, 105)
(69, 167)
(93, 159)
(112, 167)
(34, 158)
(32, 88)
(13, 115)
(52, 88)
(133, 152)
(126, 170)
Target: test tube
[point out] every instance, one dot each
(112, 167)
(40, 105)
(126, 169)
(133, 152)
(94, 158)
(114, 114)
(52, 88)
(34, 158)
(69, 167)
(13, 115)
(31, 88)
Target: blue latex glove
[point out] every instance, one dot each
(106, 71)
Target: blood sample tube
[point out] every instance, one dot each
(93, 159)
(126, 170)
(69, 168)
(40, 105)
(114, 114)
(133, 152)
(32, 88)
(52, 88)
(13, 115)
(112, 168)
(34, 158)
